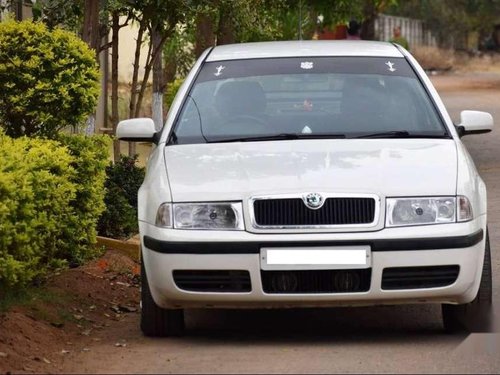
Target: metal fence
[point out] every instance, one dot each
(413, 30)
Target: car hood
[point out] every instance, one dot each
(387, 167)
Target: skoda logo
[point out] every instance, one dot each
(313, 200)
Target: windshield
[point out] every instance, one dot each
(288, 98)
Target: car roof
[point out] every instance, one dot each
(303, 48)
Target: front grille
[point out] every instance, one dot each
(223, 281)
(316, 281)
(293, 212)
(419, 277)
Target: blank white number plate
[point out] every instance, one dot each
(316, 258)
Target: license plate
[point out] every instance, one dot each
(317, 258)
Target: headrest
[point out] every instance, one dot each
(240, 98)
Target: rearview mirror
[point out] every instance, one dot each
(136, 130)
(474, 122)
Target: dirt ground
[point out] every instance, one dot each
(87, 320)
(74, 311)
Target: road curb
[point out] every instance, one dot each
(131, 249)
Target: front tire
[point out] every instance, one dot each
(474, 316)
(155, 321)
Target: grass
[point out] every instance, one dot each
(41, 302)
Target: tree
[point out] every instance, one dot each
(157, 18)
(49, 79)
(59, 13)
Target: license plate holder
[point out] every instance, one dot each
(315, 258)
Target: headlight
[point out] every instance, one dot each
(420, 211)
(215, 216)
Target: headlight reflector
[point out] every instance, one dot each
(215, 216)
(420, 211)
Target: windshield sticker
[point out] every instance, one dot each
(306, 130)
(391, 66)
(219, 69)
(307, 65)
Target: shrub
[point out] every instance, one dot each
(90, 158)
(124, 178)
(35, 193)
(50, 199)
(50, 79)
(433, 58)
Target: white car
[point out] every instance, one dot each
(311, 174)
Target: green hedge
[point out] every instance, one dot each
(124, 178)
(51, 196)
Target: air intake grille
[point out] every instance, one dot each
(227, 281)
(316, 281)
(419, 277)
(293, 212)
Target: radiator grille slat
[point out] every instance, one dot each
(293, 212)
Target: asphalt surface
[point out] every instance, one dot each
(400, 339)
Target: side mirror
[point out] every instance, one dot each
(474, 122)
(136, 130)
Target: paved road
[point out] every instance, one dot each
(374, 339)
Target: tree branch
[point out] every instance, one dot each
(104, 47)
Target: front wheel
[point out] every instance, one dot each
(155, 321)
(474, 316)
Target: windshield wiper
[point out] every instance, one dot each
(400, 134)
(278, 137)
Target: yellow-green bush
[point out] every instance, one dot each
(49, 79)
(51, 196)
(90, 157)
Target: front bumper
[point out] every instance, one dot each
(167, 250)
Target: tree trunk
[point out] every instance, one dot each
(114, 82)
(370, 14)
(225, 32)
(90, 32)
(134, 99)
(204, 33)
(153, 54)
(158, 84)
(135, 73)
